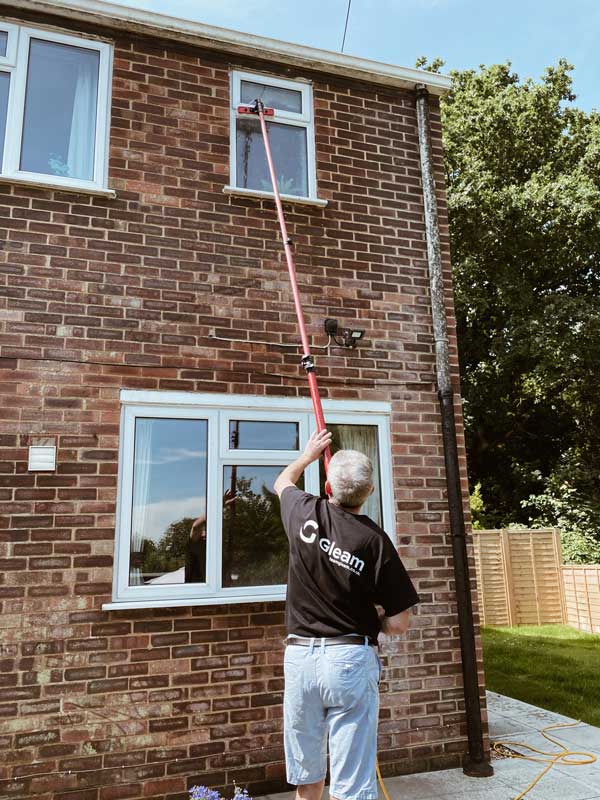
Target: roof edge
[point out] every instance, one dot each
(122, 17)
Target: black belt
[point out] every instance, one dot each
(301, 641)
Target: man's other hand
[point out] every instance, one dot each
(318, 442)
(396, 625)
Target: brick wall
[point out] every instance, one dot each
(100, 295)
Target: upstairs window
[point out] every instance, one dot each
(291, 136)
(54, 108)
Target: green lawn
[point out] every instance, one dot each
(551, 666)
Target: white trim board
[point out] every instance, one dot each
(148, 397)
(211, 37)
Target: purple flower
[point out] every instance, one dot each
(203, 793)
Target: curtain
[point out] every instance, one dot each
(141, 495)
(80, 157)
(364, 439)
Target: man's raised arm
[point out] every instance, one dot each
(317, 443)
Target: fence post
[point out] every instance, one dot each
(561, 574)
(508, 577)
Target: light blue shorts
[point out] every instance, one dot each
(332, 693)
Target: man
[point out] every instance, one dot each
(346, 583)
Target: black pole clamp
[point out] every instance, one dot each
(308, 363)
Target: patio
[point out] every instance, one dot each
(509, 720)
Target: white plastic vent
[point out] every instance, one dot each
(42, 458)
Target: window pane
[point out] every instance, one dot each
(252, 435)
(288, 145)
(364, 439)
(3, 43)
(255, 547)
(4, 87)
(272, 96)
(59, 127)
(169, 494)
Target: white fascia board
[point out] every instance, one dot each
(148, 397)
(211, 37)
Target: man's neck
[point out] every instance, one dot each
(355, 510)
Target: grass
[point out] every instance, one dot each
(551, 666)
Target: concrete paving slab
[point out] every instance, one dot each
(583, 735)
(518, 710)
(516, 775)
(425, 785)
(507, 727)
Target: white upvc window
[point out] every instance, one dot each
(198, 521)
(54, 108)
(291, 136)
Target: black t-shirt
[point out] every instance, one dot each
(341, 565)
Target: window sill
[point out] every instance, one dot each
(214, 600)
(286, 198)
(62, 187)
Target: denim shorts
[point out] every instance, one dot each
(332, 693)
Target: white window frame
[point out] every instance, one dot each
(219, 409)
(17, 64)
(303, 120)
(10, 59)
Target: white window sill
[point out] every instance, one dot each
(286, 198)
(214, 600)
(40, 183)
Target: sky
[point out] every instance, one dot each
(531, 34)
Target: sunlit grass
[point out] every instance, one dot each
(551, 666)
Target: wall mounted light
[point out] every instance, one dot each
(344, 337)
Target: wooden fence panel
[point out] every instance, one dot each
(519, 576)
(582, 596)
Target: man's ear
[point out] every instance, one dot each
(372, 489)
(328, 491)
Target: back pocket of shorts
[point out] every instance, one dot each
(347, 679)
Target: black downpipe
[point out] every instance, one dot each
(475, 763)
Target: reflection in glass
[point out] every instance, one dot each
(255, 435)
(4, 87)
(364, 439)
(3, 43)
(59, 127)
(288, 145)
(272, 96)
(169, 496)
(255, 547)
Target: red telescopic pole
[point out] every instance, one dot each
(307, 359)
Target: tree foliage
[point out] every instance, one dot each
(523, 176)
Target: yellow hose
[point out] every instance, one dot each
(564, 757)
(381, 783)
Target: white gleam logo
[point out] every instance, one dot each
(337, 556)
(310, 523)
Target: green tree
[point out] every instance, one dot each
(523, 176)
(169, 554)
